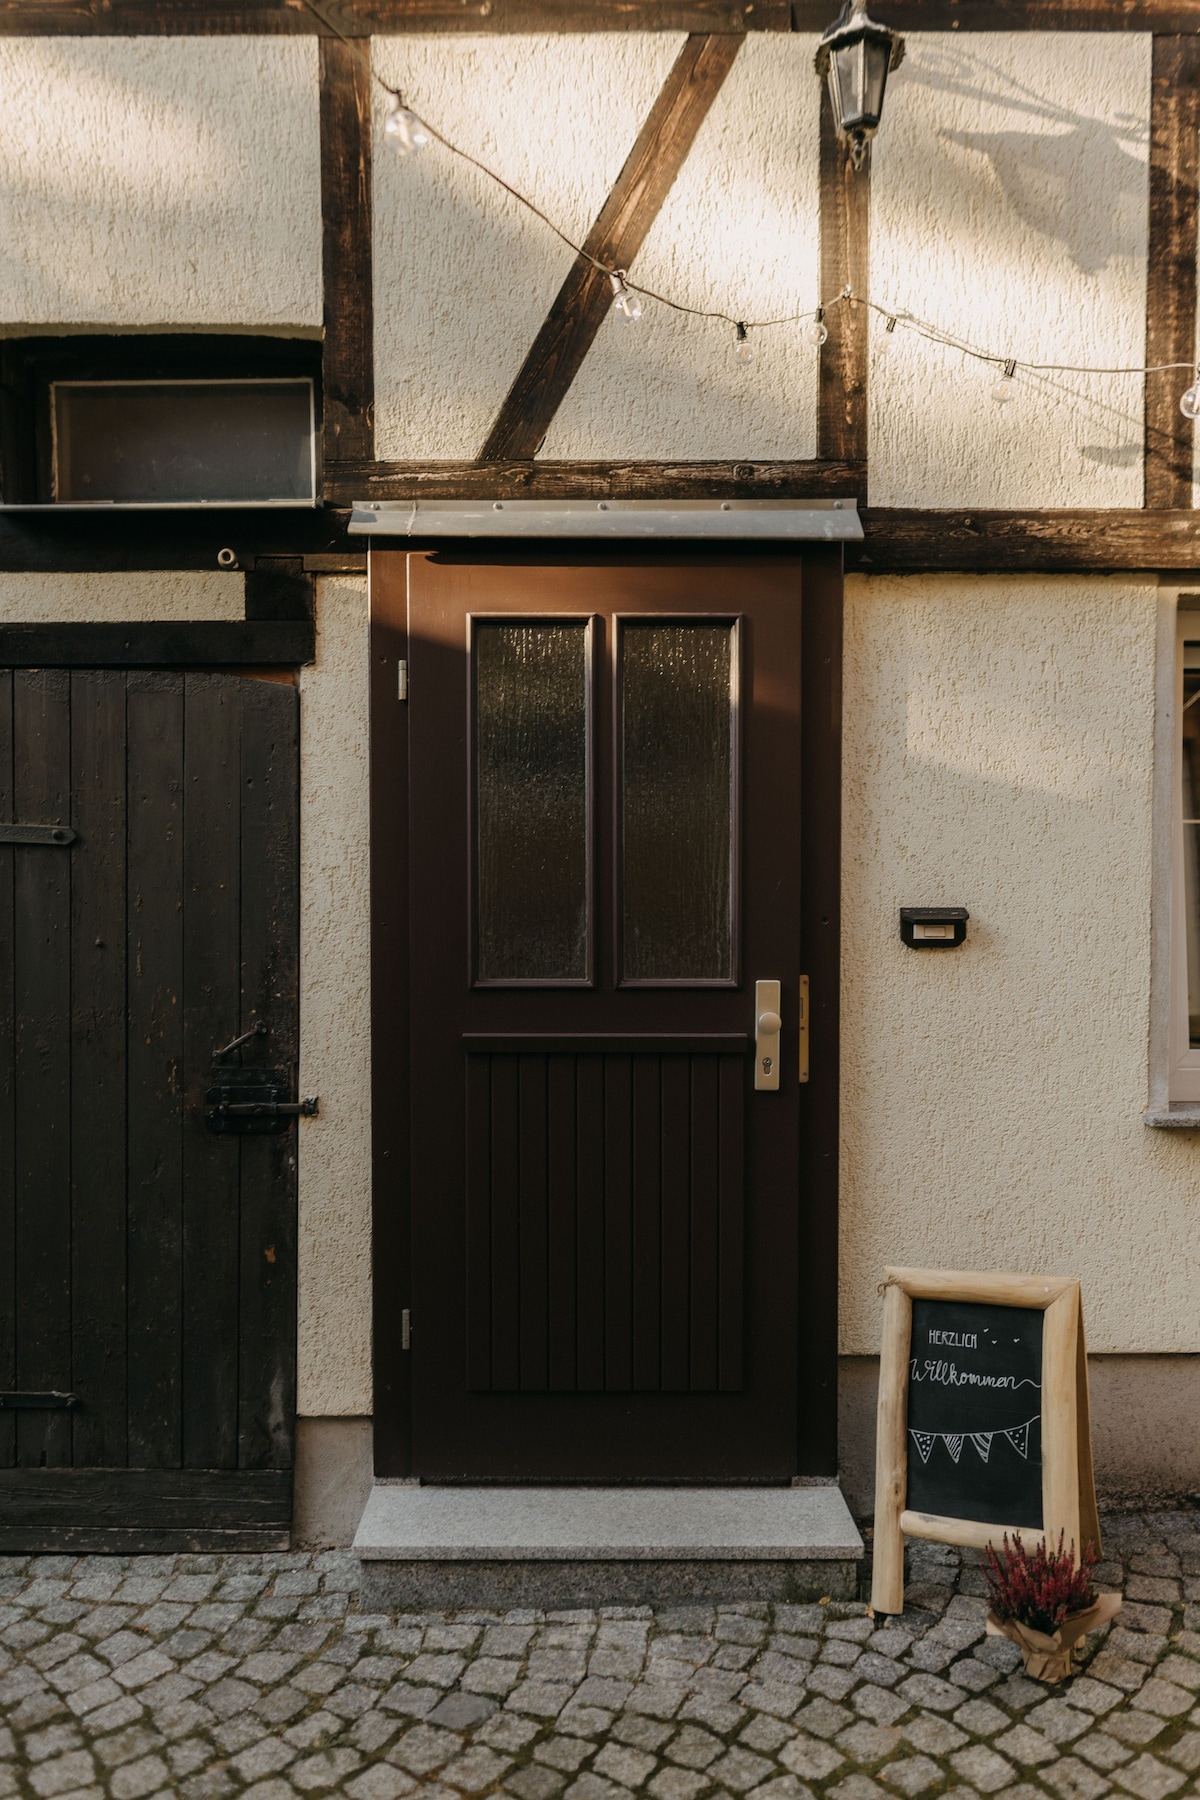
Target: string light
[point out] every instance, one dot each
(626, 305)
(887, 335)
(410, 133)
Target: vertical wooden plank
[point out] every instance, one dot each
(154, 959)
(589, 1290)
(618, 1223)
(534, 1322)
(270, 974)
(506, 1224)
(1060, 1424)
(479, 1224)
(211, 1017)
(891, 1455)
(706, 1242)
(98, 1067)
(845, 227)
(1171, 267)
(731, 1221)
(8, 1210)
(348, 368)
(676, 1221)
(42, 957)
(561, 1221)
(647, 1224)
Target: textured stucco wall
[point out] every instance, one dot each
(69, 599)
(159, 181)
(335, 1044)
(740, 232)
(999, 755)
(1009, 205)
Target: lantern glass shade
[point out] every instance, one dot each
(856, 55)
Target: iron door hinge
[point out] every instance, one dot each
(402, 679)
(53, 1401)
(405, 1329)
(37, 834)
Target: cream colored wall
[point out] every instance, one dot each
(1009, 206)
(335, 1041)
(999, 755)
(72, 599)
(160, 181)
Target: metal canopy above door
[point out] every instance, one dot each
(770, 520)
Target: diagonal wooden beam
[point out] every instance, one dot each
(1171, 271)
(615, 239)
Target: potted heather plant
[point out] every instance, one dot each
(1045, 1604)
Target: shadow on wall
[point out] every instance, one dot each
(1038, 171)
(1146, 1448)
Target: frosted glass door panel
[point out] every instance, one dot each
(532, 800)
(677, 782)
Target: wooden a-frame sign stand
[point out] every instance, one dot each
(1068, 1485)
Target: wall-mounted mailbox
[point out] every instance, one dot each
(933, 927)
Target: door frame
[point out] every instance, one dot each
(820, 948)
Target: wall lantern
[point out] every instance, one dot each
(856, 55)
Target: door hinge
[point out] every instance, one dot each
(402, 679)
(36, 834)
(804, 1028)
(53, 1401)
(406, 1329)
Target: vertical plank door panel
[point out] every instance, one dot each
(8, 1173)
(270, 988)
(98, 1067)
(41, 937)
(706, 1243)
(590, 1166)
(647, 1223)
(732, 1225)
(534, 1324)
(479, 1223)
(676, 1221)
(155, 1053)
(618, 1223)
(211, 1018)
(561, 1196)
(506, 1224)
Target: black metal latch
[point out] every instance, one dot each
(254, 1102)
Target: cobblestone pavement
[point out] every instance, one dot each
(207, 1676)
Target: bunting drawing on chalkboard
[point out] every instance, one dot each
(1017, 1435)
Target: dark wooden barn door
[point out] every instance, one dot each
(605, 860)
(147, 1265)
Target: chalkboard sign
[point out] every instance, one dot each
(975, 1412)
(983, 1417)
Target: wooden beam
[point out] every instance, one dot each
(207, 18)
(845, 244)
(182, 643)
(1171, 271)
(633, 205)
(54, 542)
(348, 371)
(595, 480)
(1050, 542)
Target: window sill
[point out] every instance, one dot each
(1180, 1115)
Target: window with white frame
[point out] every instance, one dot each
(1185, 865)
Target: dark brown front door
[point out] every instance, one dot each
(604, 859)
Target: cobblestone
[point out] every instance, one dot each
(218, 1677)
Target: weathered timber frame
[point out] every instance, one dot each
(1158, 537)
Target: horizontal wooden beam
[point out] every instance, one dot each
(1050, 542)
(79, 1510)
(109, 539)
(348, 482)
(179, 643)
(363, 18)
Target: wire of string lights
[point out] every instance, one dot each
(408, 133)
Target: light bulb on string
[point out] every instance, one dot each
(816, 331)
(887, 336)
(743, 355)
(1004, 387)
(626, 304)
(403, 130)
(1189, 400)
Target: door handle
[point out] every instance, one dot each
(767, 1026)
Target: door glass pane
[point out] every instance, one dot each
(1190, 800)
(677, 750)
(532, 881)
